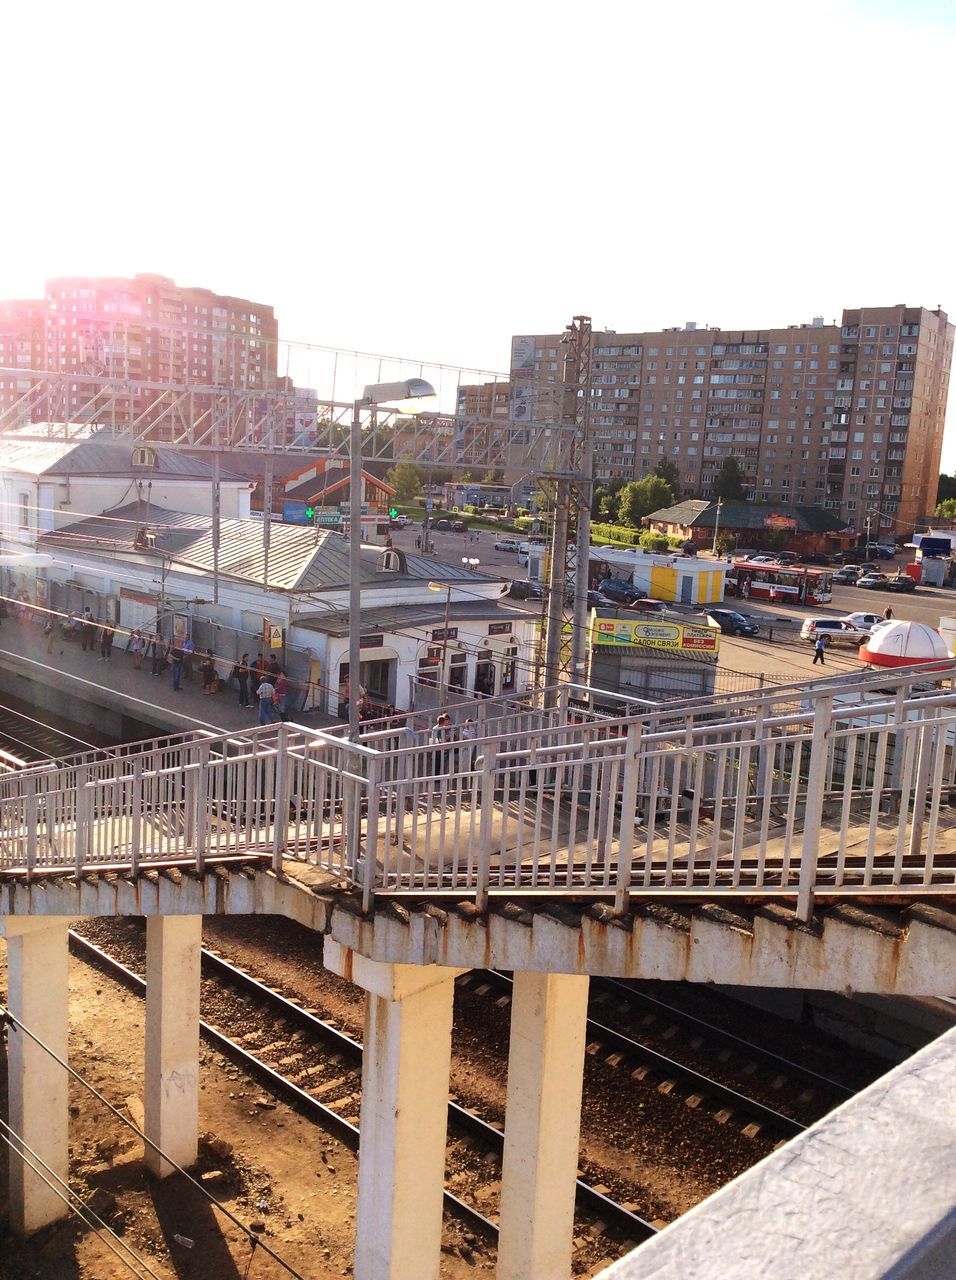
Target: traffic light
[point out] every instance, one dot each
(393, 513)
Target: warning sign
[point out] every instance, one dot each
(275, 637)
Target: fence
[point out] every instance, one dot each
(840, 787)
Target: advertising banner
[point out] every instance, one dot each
(674, 637)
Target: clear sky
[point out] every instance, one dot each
(428, 178)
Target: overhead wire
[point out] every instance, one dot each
(12, 1020)
(81, 1209)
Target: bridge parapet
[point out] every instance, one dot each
(837, 789)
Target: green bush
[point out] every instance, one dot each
(616, 533)
(654, 541)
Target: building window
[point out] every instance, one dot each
(24, 511)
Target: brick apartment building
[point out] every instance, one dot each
(847, 417)
(145, 329)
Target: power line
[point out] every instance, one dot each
(254, 1239)
(81, 1209)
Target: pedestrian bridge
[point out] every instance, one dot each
(837, 788)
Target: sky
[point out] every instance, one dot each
(426, 179)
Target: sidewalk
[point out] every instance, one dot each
(118, 686)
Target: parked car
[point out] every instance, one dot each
(459, 526)
(507, 544)
(787, 557)
(441, 525)
(598, 600)
(818, 557)
(902, 582)
(853, 555)
(763, 558)
(872, 581)
(730, 622)
(861, 620)
(400, 522)
(619, 591)
(880, 551)
(847, 576)
(834, 631)
(744, 553)
(647, 605)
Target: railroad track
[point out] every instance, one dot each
(644, 1063)
(305, 1061)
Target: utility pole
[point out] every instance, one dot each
(720, 503)
(572, 486)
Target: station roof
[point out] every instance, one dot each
(60, 449)
(393, 618)
(747, 515)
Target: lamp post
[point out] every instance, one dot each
(375, 394)
(446, 587)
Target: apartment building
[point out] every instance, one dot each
(845, 416)
(146, 329)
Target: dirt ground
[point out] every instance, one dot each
(280, 1175)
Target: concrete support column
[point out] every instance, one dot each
(171, 1089)
(408, 1015)
(38, 995)
(542, 1125)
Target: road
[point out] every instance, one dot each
(785, 655)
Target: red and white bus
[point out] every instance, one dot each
(791, 584)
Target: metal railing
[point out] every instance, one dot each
(837, 787)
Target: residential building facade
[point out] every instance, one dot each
(145, 329)
(848, 417)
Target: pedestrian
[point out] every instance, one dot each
(466, 755)
(240, 673)
(818, 651)
(418, 543)
(176, 661)
(773, 595)
(107, 636)
(266, 693)
(89, 633)
(207, 671)
(159, 655)
(281, 695)
(441, 733)
(888, 613)
(49, 630)
(258, 670)
(273, 668)
(137, 644)
(189, 651)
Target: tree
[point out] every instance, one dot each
(947, 488)
(729, 484)
(947, 509)
(641, 497)
(406, 479)
(669, 471)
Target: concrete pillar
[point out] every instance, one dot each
(404, 1118)
(171, 1088)
(38, 995)
(542, 1125)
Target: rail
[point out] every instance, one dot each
(839, 787)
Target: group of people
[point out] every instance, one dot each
(267, 682)
(455, 743)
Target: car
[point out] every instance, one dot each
(507, 544)
(441, 525)
(787, 557)
(879, 551)
(869, 620)
(846, 576)
(730, 622)
(400, 522)
(620, 592)
(744, 553)
(818, 557)
(459, 526)
(872, 581)
(853, 555)
(902, 582)
(598, 600)
(646, 605)
(834, 631)
(763, 558)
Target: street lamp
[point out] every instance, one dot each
(446, 587)
(375, 394)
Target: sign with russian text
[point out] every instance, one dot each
(672, 637)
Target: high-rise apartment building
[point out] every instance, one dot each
(848, 417)
(146, 329)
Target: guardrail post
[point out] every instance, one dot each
(83, 822)
(136, 807)
(373, 792)
(485, 829)
(30, 820)
(813, 811)
(280, 817)
(200, 824)
(625, 843)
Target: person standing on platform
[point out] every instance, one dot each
(106, 642)
(281, 695)
(819, 649)
(188, 652)
(158, 653)
(176, 660)
(266, 693)
(240, 674)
